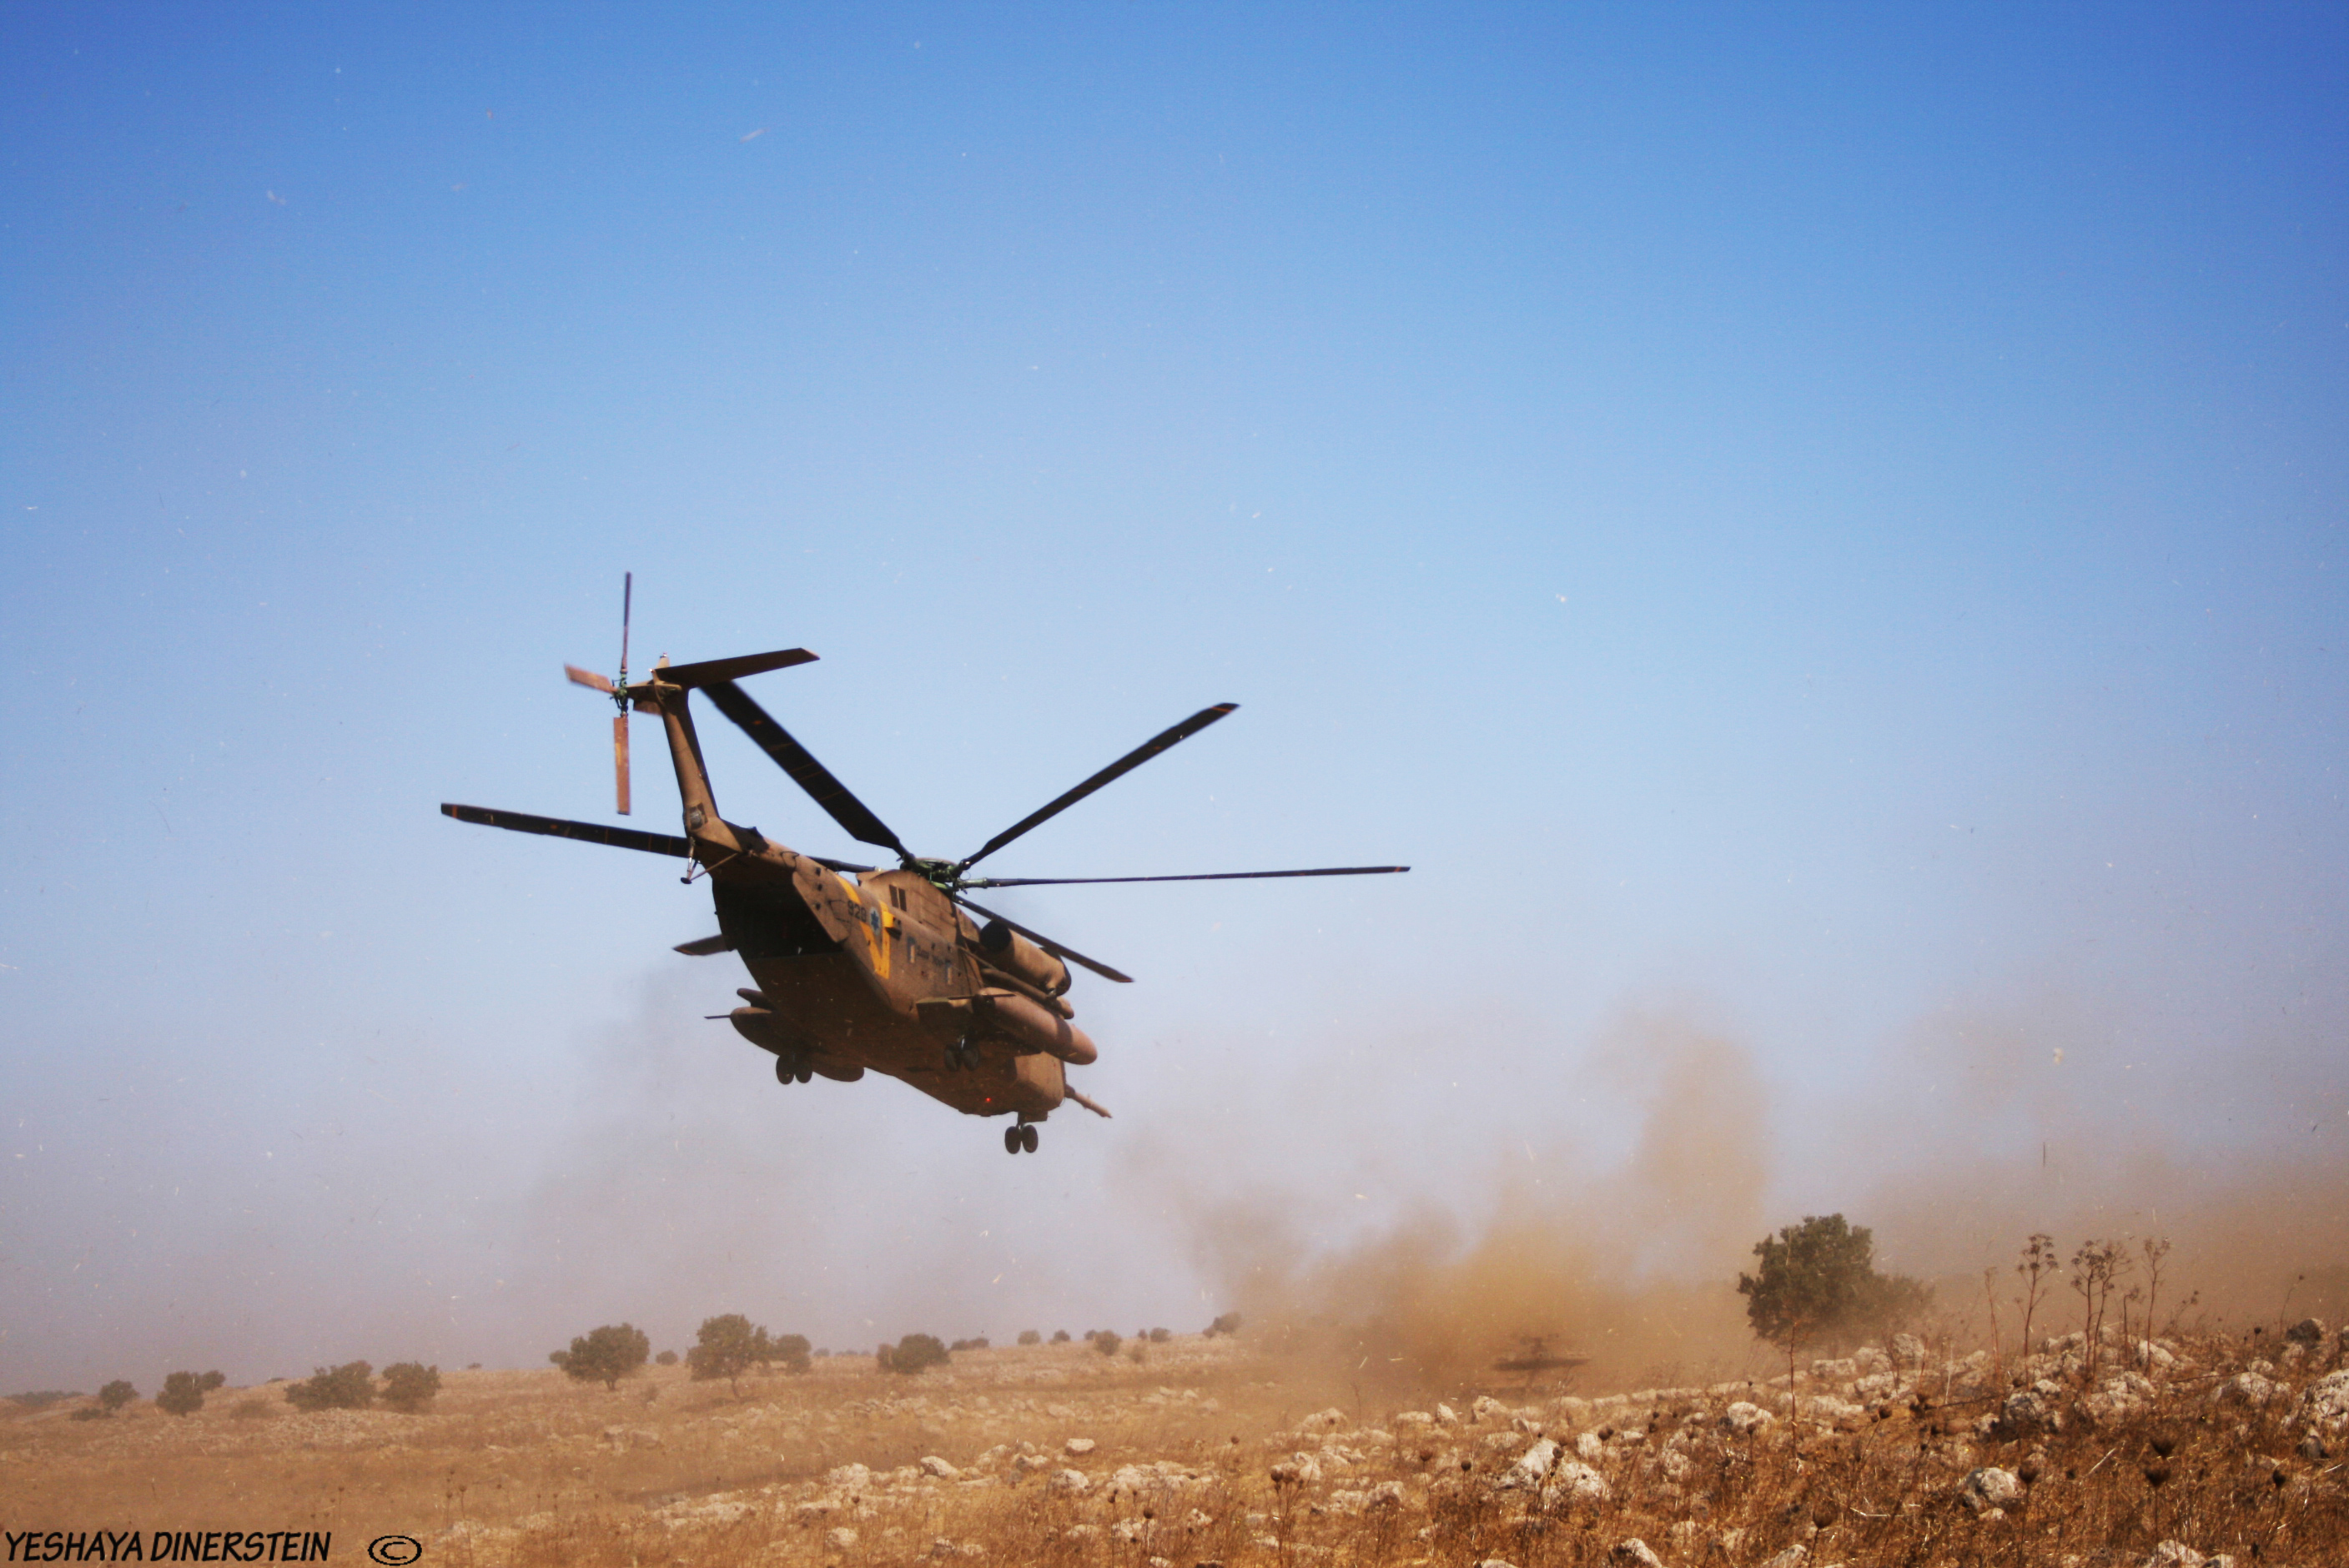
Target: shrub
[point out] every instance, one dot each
(604, 1355)
(1161, 1335)
(1225, 1323)
(1029, 1336)
(409, 1386)
(92, 1413)
(666, 1358)
(182, 1395)
(977, 1344)
(210, 1380)
(725, 1347)
(1105, 1341)
(1059, 1336)
(346, 1387)
(116, 1394)
(791, 1350)
(912, 1354)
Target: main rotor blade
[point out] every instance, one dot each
(562, 828)
(711, 670)
(1204, 876)
(806, 772)
(1123, 766)
(1046, 943)
(588, 678)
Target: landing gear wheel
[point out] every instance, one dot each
(1012, 1141)
(807, 1070)
(784, 1072)
(1027, 1136)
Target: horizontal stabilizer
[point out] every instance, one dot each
(560, 827)
(734, 669)
(703, 947)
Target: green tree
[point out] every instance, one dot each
(1818, 1279)
(345, 1388)
(182, 1395)
(410, 1386)
(1106, 1341)
(116, 1395)
(1031, 1337)
(725, 1347)
(792, 1351)
(210, 1380)
(604, 1355)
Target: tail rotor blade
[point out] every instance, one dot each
(589, 679)
(620, 758)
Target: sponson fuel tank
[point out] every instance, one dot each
(1013, 954)
(1014, 1018)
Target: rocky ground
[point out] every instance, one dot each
(2172, 1453)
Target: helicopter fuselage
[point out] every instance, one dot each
(873, 971)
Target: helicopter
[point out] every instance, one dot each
(857, 968)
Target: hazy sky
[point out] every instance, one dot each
(1815, 528)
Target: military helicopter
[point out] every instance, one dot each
(858, 968)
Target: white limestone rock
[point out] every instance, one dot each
(1990, 1488)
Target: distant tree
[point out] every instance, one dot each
(1161, 1335)
(34, 1399)
(1228, 1323)
(1029, 1336)
(912, 1354)
(1059, 1336)
(210, 1380)
(182, 1395)
(979, 1343)
(791, 1350)
(116, 1394)
(345, 1388)
(1818, 1279)
(604, 1355)
(725, 1347)
(666, 1358)
(1105, 1341)
(409, 1386)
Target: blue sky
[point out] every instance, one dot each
(1806, 525)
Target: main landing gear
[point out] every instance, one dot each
(1019, 1138)
(792, 1067)
(962, 1057)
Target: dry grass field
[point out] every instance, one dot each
(1216, 1450)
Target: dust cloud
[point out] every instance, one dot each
(1626, 1252)
(1632, 1266)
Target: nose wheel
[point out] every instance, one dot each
(1019, 1139)
(962, 1057)
(792, 1067)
